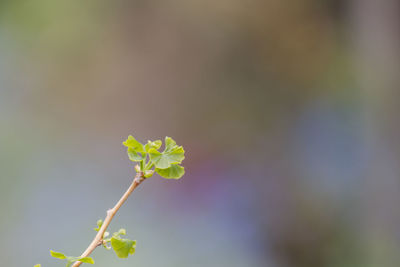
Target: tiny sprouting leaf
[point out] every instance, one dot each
(105, 243)
(123, 247)
(152, 144)
(148, 173)
(137, 168)
(99, 224)
(121, 231)
(57, 255)
(173, 172)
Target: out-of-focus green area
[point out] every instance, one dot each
(287, 111)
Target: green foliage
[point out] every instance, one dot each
(150, 159)
(152, 144)
(173, 172)
(166, 163)
(99, 224)
(70, 259)
(122, 246)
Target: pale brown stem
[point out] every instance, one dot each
(98, 240)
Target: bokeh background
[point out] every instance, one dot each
(288, 111)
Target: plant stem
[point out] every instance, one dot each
(149, 165)
(98, 240)
(142, 164)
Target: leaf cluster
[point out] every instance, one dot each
(122, 246)
(150, 159)
(166, 163)
(70, 259)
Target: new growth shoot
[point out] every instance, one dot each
(149, 160)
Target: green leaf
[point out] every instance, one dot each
(152, 144)
(148, 173)
(157, 157)
(57, 255)
(99, 224)
(38, 265)
(121, 231)
(114, 235)
(173, 172)
(105, 243)
(134, 155)
(169, 143)
(131, 142)
(70, 259)
(135, 150)
(171, 155)
(86, 260)
(123, 247)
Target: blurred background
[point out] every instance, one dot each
(288, 111)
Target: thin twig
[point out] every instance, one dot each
(98, 240)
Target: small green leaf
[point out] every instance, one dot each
(38, 265)
(176, 154)
(70, 259)
(86, 260)
(165, 159)
(134, 155)
(173, 172)
(123, 247)
(148, 174)
(169, 143)
(152, 144)
(131, 142)
(99, 224)
(57, 255)
(157, 158)
(105, 243)
(121, 231)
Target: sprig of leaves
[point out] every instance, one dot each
(122, 246)
(70, 259)
(165, 163)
